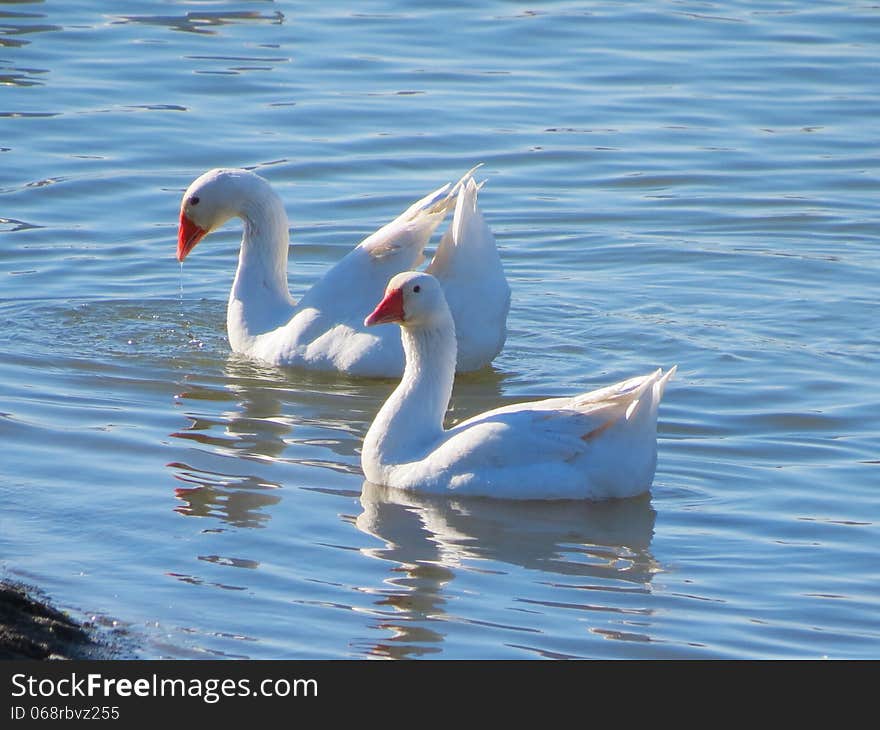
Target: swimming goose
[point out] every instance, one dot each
(325, 330)
(595, 445)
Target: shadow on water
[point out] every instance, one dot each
(429, 540)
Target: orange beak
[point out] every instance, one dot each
(390, 309)
(188, 235)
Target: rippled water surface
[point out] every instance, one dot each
(669, 182)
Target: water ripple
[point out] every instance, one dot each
(201, 22)
(668, 183)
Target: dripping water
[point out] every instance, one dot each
(186, 326)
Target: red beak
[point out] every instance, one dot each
(188, 235)
(390, 309)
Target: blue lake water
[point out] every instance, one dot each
(682, 182)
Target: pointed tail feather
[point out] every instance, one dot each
(629, 397)
(660, 386)
(468, 248)
(469, 269)
(413, 228)
(441, 200)
(467, 176)
(657, 382)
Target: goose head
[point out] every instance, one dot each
(211, 200)
(412, 299)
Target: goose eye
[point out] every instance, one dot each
(194, 200)
(417, 288)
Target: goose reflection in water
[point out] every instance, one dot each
(261, 416)
(588, 546)
(253, 417)
(248, 434)
(241, 501)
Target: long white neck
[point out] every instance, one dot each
(260, 300)
(409, 424)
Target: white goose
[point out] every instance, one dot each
(325, 330)
(594, 445)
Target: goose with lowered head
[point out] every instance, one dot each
(325, 329)
(596, 445)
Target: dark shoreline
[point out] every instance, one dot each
(30, 628)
